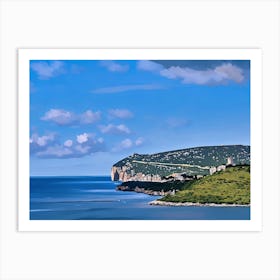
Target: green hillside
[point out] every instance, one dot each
(231, 186)
(192, 161)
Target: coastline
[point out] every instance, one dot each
(176, 204)
(141, 190)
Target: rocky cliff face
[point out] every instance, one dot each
(124, 174)
(197, 161)
(119, 174)
(115, 173)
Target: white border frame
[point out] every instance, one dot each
(24, 57)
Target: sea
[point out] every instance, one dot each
(96, 198)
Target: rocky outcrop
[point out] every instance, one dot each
(167, 203)
(120, 174)
(115, 173)
(141, 188)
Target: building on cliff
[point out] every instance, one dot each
(230, 161)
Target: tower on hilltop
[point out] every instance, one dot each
(230, 161)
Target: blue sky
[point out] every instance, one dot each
(87, 115)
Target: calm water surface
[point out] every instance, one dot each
(96, 198)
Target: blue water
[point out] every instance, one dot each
(96, 198)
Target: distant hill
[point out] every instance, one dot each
(191, 161)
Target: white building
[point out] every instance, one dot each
(230, 161)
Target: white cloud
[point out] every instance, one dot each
(56, 151)
(68, 143)
(123, 145)
(41, 141)
(222, 74)
(47, 70)
(219, 75)
(82, 149)
(114, 129)
(90, 117)
(230, 72)
(120, 113)
(148, 65)
(82, 138)
(63, 117)
(128, 144)
(47, 146)
(59, 116)
(124, 88)
(113, 66)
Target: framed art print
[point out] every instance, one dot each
(139, 139)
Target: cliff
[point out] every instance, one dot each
(123, 174)
(119, 174)
(179, 164)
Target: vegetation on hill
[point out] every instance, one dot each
(192, 161)
(231, 186)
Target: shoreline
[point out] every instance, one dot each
(174, 204)
(186, 204)
(141, 190)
